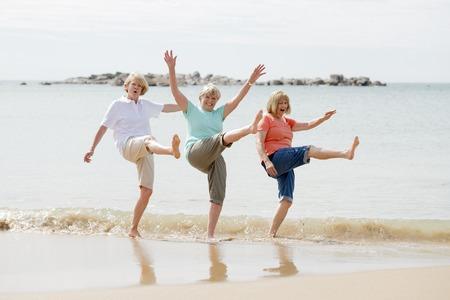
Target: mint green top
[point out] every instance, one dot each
(201, 123)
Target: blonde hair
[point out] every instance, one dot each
(139, 78)
(211, 90)
(274, 99)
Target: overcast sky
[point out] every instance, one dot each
(387, 40)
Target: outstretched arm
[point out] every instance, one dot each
(314, 123)
(233, 103)
(171, 61)
(260, 138)
(98, 137)
(168, 108)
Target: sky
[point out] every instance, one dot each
(386, 40)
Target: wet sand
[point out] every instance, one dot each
(410, 284)
(56, 266)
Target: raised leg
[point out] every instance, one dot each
(156, 148)
(320, 153)
(236, 134)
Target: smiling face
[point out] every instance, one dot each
(209, 97)
(208, 101)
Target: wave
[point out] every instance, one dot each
(88, 221)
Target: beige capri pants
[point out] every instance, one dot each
(136, 152)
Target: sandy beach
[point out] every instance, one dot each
(61, 266)
(417, 283)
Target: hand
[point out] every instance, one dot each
(171, 61)
(257, 72)
(87, 156)
(270, 168)
(328, 114)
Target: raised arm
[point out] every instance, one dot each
(233, 103)
(260, 138)
(314, 123)
(98, 137)
(168, 108)
(171, 61)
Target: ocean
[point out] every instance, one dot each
(397, 189)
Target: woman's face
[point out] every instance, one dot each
(134, 90)
(282, 107)
(208, 102)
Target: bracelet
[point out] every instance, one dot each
(249, 83)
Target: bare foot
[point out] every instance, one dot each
(176, 146)
(254, 125)
(212, 240)
(351, 151)
(134, 233)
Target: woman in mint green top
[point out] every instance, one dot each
(206, 139)
(202, 123)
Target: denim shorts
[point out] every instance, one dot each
(285, 161)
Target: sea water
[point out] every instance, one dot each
(396, 188)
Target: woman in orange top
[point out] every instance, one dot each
(279, 158)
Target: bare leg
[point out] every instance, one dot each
(320, 153)
(279, 217)
(139, 211)
(156, 148)
(236, 134)
(214, 213)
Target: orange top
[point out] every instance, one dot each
(279, 132)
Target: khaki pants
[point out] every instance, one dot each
(136, 152)
(206, 156)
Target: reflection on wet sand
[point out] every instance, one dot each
(148, 276)
(217, 270)
(286, 265)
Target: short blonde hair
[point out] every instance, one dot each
(211, 90)
(139, 78)
(274, 99)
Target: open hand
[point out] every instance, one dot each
(170, 60)
(329, 114)
(257, 72)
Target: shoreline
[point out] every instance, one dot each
(89, 221)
